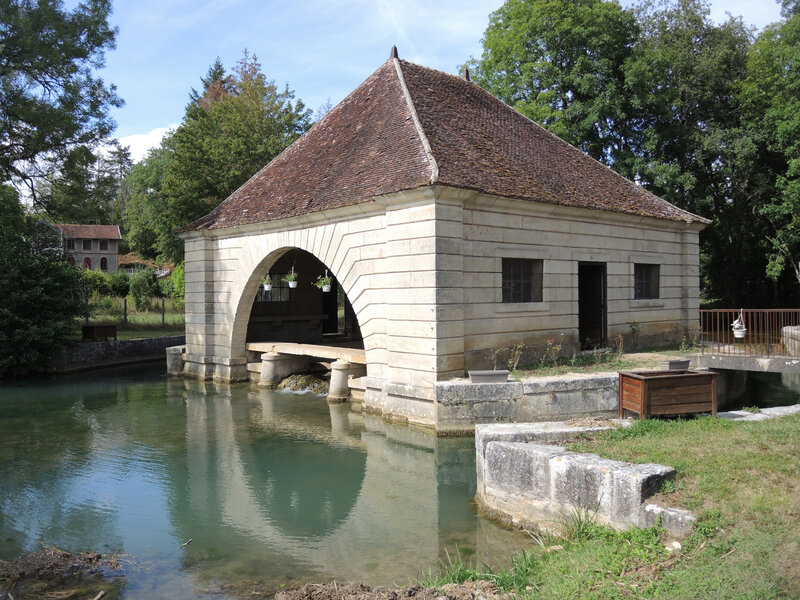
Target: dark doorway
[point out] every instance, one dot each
(592, 305)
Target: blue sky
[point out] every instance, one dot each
(321, 48)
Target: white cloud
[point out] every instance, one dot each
(140, 143)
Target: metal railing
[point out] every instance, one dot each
(766, 333)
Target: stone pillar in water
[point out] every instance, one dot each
(276, 366)
(339, 389)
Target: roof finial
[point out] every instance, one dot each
(393, 53)
(465, 73)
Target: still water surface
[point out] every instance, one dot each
(269, 486)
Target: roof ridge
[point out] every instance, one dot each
(417, 124)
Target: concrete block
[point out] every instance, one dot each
(468, 393)
(523, 481)
(675, 520)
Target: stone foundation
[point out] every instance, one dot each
(460, 405)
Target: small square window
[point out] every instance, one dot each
(103, 244)
(522, 280)
(645, 281)
(87, 245)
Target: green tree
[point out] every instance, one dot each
(232, 130)
(40, 298)
(147, 226)
(695, 151)
(771, 98)
(87, 187)
(50, 99)
(562, 63)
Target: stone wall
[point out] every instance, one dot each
(89, 355)
(527, 483)
(461, 404)
(495, 228)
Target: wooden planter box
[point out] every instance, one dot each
(667, 393)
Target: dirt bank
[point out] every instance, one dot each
(471, 590)
(53, 573)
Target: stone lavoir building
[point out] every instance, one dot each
(452, 224)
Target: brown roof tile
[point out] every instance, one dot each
(369, 145)
(95, 232)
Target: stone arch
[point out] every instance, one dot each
(334, 246)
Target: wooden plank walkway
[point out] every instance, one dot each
(351, 355)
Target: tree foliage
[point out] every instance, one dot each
(50, 99)
(144, 286)
(231, 130)
(561, 63)
(87, 187)
(695, 111)
(40, 298)
(771, 98)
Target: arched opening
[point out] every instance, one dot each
(302, 314)
(71, 260)
(104, 264)
(87, 263)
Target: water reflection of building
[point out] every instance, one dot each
(352, 497)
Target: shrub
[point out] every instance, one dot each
(144, 286)
(98, 282)
(178, 279)
(120, 284)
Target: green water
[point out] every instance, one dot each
(272, 487)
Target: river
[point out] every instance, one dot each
(269, 486)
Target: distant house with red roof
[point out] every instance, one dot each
(94, 247)
(453, 226)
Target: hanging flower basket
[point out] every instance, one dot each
(739, 330)
(324, 282)
(291, 278)
(267, 283)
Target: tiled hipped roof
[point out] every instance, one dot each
(369, 145)
(94, 232)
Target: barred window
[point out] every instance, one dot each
(279, 291)
(645, 281)
(522, 280)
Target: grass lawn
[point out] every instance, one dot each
(600, 362)
(741, 479)
(140, 324)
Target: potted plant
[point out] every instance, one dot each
(324, 282)
(267, 283)
(739, 330)
(291, 278)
